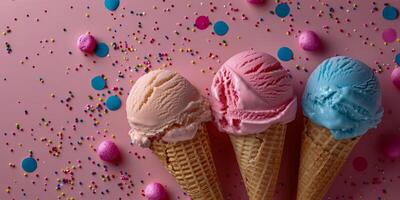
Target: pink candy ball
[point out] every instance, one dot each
(109, 152)
(86, 43)
(256, 1)
(396, 77)
(309, 41)
(155, 191)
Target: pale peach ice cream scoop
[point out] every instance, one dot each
(251, 92)
(164, 105)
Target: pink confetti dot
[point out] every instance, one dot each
(392, 148)
(395, 76)
(360, 164)
(202, 22)
(256, 2)
(389, 35)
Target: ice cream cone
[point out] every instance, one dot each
(259, 157)
(322, 157)
(341, 101)
(191, 163)
(253, 100)
(167, 114)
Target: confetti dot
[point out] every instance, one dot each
(202, 22)
(392, 147)
(101, 50)
(98, 83)
(221, 28)
(113, 103)
(282, 10)
(398, 59)
(285, 54)
(111, 5)
(390, 13)
(29, 164)
(256, 2)
(389, 35)
(360, 164)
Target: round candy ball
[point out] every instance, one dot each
(86, 43)
(109, 152)
(155, 191)
(309, 41)
(396, 77)
(256, 1)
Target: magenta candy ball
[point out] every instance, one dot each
(396, 77)
(108, 151)
(86, 43)
(155, 191)
(309, 41)
(256, 1)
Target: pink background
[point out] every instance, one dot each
(33, 22)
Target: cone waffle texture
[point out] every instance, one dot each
(259, 157)
(192, 164)
(321, 159)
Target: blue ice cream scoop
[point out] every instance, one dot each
(343, 95)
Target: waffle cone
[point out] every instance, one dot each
(259, 157)
(192, 164)
(321, 159)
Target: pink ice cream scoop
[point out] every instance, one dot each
(164, 105)
(86, 43)
(251, 92)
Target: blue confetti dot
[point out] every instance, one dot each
(398, 59)
(221, 28)
(282, 10)
(111, 5)
(29, 164)
(98, 83)
(113, 103)
(285, 54)
(390, 13)
(101, 50)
